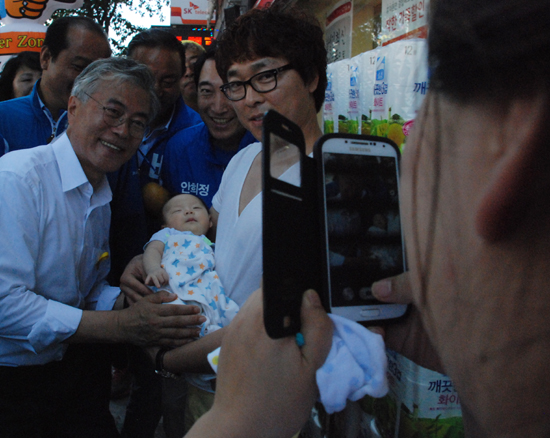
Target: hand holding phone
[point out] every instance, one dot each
(330, 223)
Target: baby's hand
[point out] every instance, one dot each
(158, 277)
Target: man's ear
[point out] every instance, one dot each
(312, 86)
(45, 57)
(520, 172)
(72, 105)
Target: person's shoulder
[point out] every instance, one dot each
(185, 117)
(251, 149)
(238, 165)
(17, 105)
(29, 164)
(186, 142)
(245, 155)
(187, 136)
(24, 158)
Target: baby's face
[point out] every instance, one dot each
(187, 213)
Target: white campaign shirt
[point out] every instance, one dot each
(54, 229)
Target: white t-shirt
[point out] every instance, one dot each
(239, 238)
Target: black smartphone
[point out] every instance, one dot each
(362, 237)
(291, 245)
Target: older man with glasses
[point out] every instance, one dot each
(53, 296)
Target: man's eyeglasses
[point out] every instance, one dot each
(114, 117)
(262, 82)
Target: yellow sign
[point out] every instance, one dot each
(24, 20)
(15, 42)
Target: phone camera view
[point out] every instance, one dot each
(363, 225)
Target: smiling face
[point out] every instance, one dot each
(99, 147)
(24, 81)
(166, 68)
(187, 213)
(216, 110)
(292, 97)
(58, 75)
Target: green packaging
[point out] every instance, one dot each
(421, 403)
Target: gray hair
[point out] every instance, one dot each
(117, 69)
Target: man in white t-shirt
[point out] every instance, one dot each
(275, 74)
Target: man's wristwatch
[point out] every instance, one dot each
(159, 364)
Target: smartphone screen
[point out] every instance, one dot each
(362, 225)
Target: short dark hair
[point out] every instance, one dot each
(23, 59)
(495, 49)
(197, 68)
(277, 32)
(153, 38)
(56, 35)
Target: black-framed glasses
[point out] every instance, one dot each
(262, 82)
(115, 117)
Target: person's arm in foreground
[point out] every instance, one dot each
(266, 388)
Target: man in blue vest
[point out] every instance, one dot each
(194, 162)
(196, 157)
(71, 44)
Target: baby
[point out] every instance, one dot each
(181, 257)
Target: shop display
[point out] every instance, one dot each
(382, 88)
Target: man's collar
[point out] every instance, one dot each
(43, 106)
(72, 174)
(70, 169)
(163, 127)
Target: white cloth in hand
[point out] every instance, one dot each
(355, 366)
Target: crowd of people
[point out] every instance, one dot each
(96, 132)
